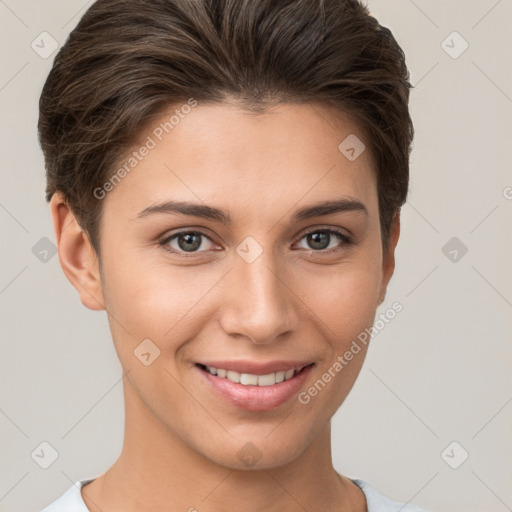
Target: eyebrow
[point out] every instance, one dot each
(209, 212)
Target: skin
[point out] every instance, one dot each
(293, 302)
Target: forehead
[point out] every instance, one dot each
(218, 151)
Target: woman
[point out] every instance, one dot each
(225, 179)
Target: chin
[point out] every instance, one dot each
(253, 452)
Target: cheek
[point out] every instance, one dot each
(343, 298)
(152, 299)
(342, 305)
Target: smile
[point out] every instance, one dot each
(249, 379)
(254, 387)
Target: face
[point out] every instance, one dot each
(251, 280)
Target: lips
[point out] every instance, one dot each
(253, 386)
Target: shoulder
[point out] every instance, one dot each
(377, 502)
(71, 500)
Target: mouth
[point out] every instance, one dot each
(253, 379)
(261, 390)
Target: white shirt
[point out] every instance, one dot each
(71, 500)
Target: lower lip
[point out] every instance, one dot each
(256, 398)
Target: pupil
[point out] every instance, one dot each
(189, 238)
(192, 241)
(319, 240)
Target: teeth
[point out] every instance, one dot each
(288, 374)
(232, 376)
(266, 380)
(248, 379)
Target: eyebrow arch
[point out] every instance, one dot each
(328, 208)
(209, 212)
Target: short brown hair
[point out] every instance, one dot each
(128, 60)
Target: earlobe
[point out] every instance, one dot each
(76, 254)
(388, 260)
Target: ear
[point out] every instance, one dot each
(388, 259)
(76, 254)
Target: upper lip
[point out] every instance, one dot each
(254, 368)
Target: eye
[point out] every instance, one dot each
(187, 242)
(321, 239)
(190, 243)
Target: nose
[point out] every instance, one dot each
(259, 303)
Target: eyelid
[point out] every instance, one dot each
(314, 229)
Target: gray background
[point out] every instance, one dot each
(438, 373)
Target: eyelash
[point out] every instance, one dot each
(344, 238)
